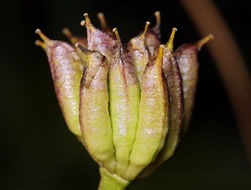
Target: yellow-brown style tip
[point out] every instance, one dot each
(40, 44)
(169, 44)
(42, 36)
(204, 40)
(102, 20)
(157, 17)
(115, 30)
(159, 58)
(143, 35)
(67, 32)
(87, 19)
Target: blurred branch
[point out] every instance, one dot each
(229, 62)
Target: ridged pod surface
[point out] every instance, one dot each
(94, 110)
(153, 118)
(176, 107)
(124, 102)
(129, 106)
(187, 59)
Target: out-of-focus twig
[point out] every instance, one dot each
(229, 61)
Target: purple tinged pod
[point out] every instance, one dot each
(187, 59)
(66, 69)
(94, 110)
(138, 52)
(153, 35)
(99, 40)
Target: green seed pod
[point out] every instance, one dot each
(66, 69)
(93, 110)
(139, 53)
(99, 40)
(124, 101)
(153, 118)
(176, 113)
(186, 56)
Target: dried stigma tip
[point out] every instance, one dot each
(42, 36)
(143, 35)
(157, 16)
(169, 44)
(40, 44)
(160, 54)
(204, 40)
(102, 21)
(115, 30)
(67, 33)
(87, 19)
(82, 23)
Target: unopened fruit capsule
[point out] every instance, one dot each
(138, 52)
(153, 118)
(187, 60)
(176, 107)
(66, 69)
(124, 101)
(94, 110)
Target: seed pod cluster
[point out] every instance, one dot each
(129, 104)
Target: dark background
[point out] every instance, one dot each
(38, 151)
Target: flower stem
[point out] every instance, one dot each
(110, 181)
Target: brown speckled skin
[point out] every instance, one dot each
(175, 89)
(94, 111)
(66, 70)
(152, 41)
(187, 60)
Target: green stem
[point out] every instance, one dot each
(110, 181)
